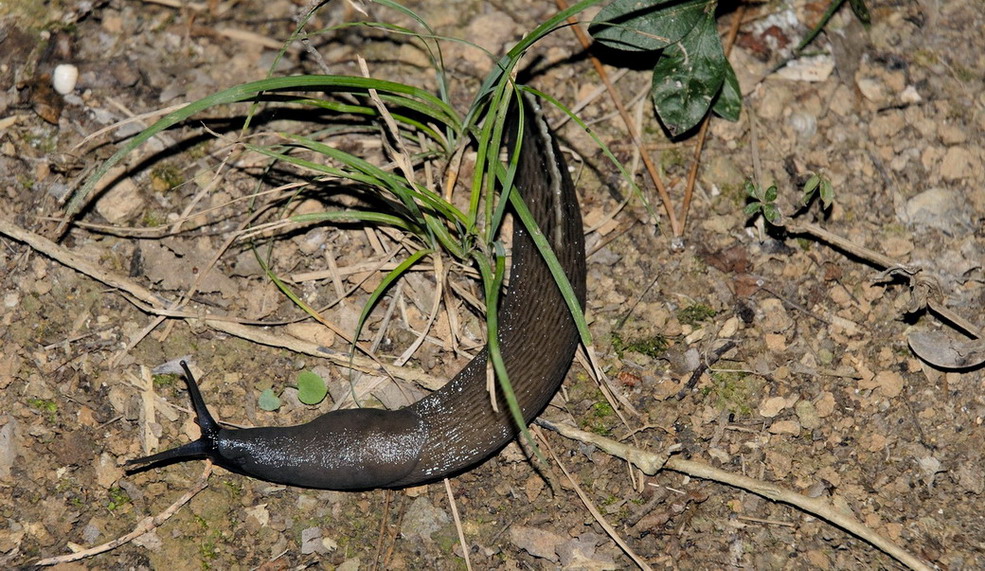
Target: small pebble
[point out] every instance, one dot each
(64, 78)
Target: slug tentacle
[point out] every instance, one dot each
(204, 447)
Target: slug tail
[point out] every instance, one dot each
(204, 447)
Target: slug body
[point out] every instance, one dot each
(454, 428)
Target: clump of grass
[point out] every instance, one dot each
(418, 126)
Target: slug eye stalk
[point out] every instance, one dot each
(204, 447)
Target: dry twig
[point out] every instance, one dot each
(651, 463)
(146, 525)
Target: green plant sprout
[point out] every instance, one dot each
(763, 201)
(311, 388)
(926, 292)
(118, 498)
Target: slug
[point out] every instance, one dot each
(454, 428)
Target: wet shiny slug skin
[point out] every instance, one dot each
(454, 428)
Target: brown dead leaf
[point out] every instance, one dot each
(45, 101)
(732, 260)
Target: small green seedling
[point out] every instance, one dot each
(311, 388)
(269, 401)
(762, 201)
(819, 184)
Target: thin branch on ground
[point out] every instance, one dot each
(146, 525)
(150, 302)
(651, 463)
(611, 531)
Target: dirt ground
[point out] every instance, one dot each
(820, 394)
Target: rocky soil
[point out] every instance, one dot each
(817, 391)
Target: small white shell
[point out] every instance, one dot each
(64, 77)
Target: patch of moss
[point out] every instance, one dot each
(64, 485)
(595, 427)
(735, 391)
(117, 498)
(671, 158)
(200, 150)
(608, 501)
(46, 406)
(447, 538)
(601, 412)
(926, 58)
(653, 346)
(153, 219)
(165, 177)
(164, 381)
(234, 488)
(209, 550)
(46, 143)
(26, 182)
(602, 409)
(695, 313)
(964, 74)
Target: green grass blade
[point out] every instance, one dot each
(436, 108)
(385, 284)
(506, 64)
(544, 247)
(370, 111)
(492, 280)
(377, 218)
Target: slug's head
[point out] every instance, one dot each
(204, 447)
(340, 450)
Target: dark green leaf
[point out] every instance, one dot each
(771, 213)
(771, 193)
(827, 193)
(750, 189)
(688, 77)
(753, 208)
(809, 187)
(268, 401)
(861, 11)
(811, 183)
(645, 25)
(729, 102)
(311, 388)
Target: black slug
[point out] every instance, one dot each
(454, 428)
